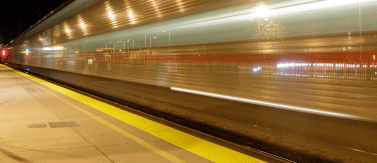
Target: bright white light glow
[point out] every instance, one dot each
(131, 16)
(3, 52)
(263, 11)
(286, 65)
(111, 15)
(68, 31)
(287, 74)
(54, 48)
(269, 104)
(257, 69)
(82, 25)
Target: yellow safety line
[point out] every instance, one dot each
(203, 148)
(125, 133)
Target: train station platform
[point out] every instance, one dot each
(44, 122)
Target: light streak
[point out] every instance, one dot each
(130, 13)
(131, 16)
(269, 104)
(82, 25)
(54, 48)
(257, 69)
(180, 5)
(155, 6)
(67, 30)
(111, 14)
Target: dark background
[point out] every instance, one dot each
(26, 12)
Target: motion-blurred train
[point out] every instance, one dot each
(194, 31)
(289, 52)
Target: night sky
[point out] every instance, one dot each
(25, 11)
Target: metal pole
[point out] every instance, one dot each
(361, 43)
(115, 51)
(259, 43)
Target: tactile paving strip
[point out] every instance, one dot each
(63, 124)
(32, 90)
(38, 125)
